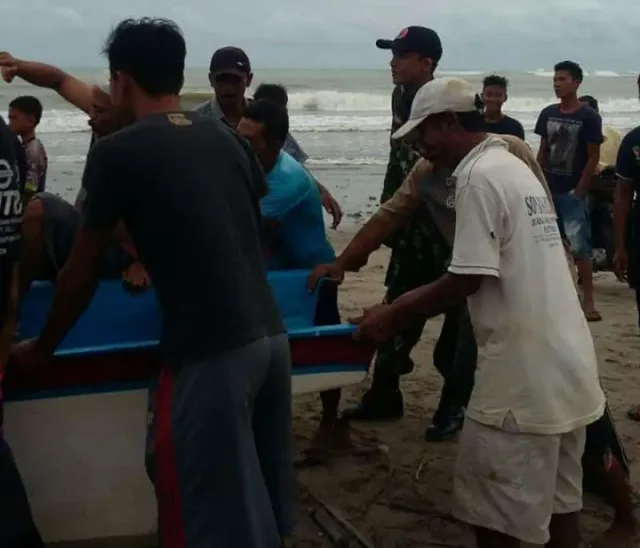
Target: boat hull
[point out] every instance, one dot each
(77, 426)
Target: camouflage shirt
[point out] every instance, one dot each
(418, 254)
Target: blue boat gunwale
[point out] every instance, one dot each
(115, 325)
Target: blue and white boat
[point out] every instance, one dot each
(77, 427)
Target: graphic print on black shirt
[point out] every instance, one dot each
(188, 189)
(567, 137)
(10, 219)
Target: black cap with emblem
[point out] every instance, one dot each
(230, 60)
(414, 39)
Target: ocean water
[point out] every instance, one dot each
(341, 118)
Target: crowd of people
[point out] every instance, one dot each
(478, 227)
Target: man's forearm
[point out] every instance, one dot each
(588, 172)
(367, 240)
(75, 91)
(40, 74)
(541, 157)
(437, 297)
(621, 207)
(125, 241)
(73, 293)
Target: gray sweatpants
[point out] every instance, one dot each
(220, 449)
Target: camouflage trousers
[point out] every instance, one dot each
(455, 353)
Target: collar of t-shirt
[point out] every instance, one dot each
(490, 142)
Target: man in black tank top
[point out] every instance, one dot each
(17, 529)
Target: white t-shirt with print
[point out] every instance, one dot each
(537, 363)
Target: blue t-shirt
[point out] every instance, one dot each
(567, 137)
(292, 209)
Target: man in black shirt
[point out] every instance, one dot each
(17, 529)
(189, 185)
(494, 95)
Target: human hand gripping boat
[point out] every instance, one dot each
(77, 427)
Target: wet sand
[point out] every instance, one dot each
(400, 497)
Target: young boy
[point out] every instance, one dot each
(25, 113)
(17, 529)
(494, 95)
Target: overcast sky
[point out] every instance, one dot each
(476, 34)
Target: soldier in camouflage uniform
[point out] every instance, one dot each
(418, 252)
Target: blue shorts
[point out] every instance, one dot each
(573, 216)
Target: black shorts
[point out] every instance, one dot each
(61, 222)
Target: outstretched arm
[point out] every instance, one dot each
(77, 92)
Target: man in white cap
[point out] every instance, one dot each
(518, 476)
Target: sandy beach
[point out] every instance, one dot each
(401, 496)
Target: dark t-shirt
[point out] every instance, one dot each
(12, 175)
(628, 161)
(188, 190)
(11, 180)
(506, 126)
(567, 137)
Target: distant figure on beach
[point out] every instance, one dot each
(518, 474)
(221, 422)
(418, 254)
(570, 139)
(295, 233)
(230, 76)
(17, 528)
(601, 193)
(494, 96)
(25, 113)
(612, 137)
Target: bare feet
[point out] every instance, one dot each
(332, 438)
(619, 535)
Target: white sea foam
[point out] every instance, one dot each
(346, 111)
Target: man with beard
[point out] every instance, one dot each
(230, 76)
(50, 223)
(222, 422)
(418, 252)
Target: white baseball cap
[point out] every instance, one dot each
(439, 95)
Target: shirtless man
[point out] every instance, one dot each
(50, 223)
